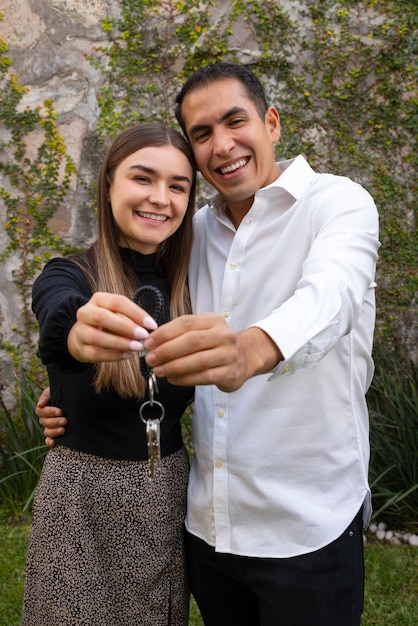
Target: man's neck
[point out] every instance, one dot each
(237, 212)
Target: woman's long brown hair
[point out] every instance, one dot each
(103, 265)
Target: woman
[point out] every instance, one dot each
(106, 545)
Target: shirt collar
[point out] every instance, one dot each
(295, 175)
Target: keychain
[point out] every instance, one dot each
(152, 424)
(152, 428)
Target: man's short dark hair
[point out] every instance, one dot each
(208, 74)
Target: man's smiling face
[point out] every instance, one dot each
(233, 146)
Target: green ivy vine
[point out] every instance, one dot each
(342, 75)
(34, 184)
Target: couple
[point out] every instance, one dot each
(281, 279)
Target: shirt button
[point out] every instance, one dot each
(221, 413)
(286, 369)
(218, 464)
(233, 266)
(227, 313)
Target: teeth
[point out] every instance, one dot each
(233, 166)
(153, 216)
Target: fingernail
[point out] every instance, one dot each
(140, 333)
(149, 343)
(127, 355)
(149, 323)
(136, 346)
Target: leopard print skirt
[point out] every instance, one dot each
(106, 546)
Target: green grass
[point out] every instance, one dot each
(391, 581)
(391, 589)
(13, 542)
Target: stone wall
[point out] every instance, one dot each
(49, 41)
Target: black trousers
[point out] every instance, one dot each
(323, 588)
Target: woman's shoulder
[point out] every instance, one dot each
(65, 272)
(81, 263)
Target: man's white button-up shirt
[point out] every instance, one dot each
(281, 465)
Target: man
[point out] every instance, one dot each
(284, 259)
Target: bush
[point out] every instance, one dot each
(393, 403)
(22, 449)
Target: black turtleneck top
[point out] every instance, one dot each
(102, 424)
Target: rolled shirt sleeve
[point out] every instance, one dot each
(337, 276)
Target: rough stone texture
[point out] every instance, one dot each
(49, 42)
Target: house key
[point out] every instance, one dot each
(152, 429)
(153, 443)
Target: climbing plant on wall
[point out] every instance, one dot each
(36, 173)
(143, 62)
(154, 45)
(358, 75)
(343, 76)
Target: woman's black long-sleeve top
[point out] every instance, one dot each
(103, 424)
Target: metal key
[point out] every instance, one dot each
(153, 443)
(152, 431)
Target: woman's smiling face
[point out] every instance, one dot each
(149, 195)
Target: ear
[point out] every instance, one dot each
(272, 120)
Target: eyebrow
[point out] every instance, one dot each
(230, 113)
(150, 170)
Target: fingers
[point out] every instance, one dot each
(88, 344)
(185, 337)
(204, 350)
(195, 349)
(43, 400)
(109, 328)
(52, 423)
(50, 417)
(187, 332)
(117, 315)
(47, 412)
(54, 431)
(53, 426)
(51, 433)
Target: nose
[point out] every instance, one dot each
(223, 142)
(159, 195)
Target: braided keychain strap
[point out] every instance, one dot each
(158, 301)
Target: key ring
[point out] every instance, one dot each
(149, 403)
(152, 388)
